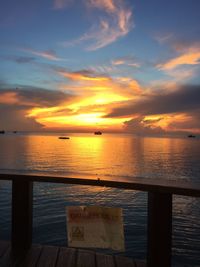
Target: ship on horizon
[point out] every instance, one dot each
(97, 133)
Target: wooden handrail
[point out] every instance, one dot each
(159, 241)
(131, 183)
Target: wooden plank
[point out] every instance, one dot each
(85, 258)
(6, 258)
(103, 260)
(159, 241)
(3, 247)
(22, 198)
(124, 262)
(32, 257)
(66, 257)
(140, 263)
(48, 257)
(134, 183)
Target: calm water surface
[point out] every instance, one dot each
(113, 156)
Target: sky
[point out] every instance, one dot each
(109, 65)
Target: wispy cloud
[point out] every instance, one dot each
(108, 5)
(188, 54)
(181, 74)
(116, 23)
(47, 54)
(20, 59)
(188, 58)
(91, 81)
(83, 75)
(163, 38)
(60, 4)
(128, 61)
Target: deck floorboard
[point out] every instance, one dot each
(67, 257)
(85, 258)
(3, 247)
(124, 261)
(104, 260)
(32, 257)
(49, 256)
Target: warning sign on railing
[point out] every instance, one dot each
(94, 226)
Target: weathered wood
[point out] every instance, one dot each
(32, 257)
(159, 209)
(133, 183)
(66, 257)
(22, 198)
(6, 258)
(48, 257)
(103, 260)
(124, 262)
(159, 229)
(85, 258)
(3, 247)
(140, 263)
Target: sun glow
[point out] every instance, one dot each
(90, 120)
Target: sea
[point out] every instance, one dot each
(114, 156)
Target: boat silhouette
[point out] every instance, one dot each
(191, 136)
(98, 133)
(63, 137)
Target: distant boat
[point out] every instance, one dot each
(191, 136)
(14, 131)
(98, 133)
(2, 132)
(63, 137)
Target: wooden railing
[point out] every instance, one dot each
(159, 239)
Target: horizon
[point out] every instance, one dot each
(107, 65)
(63, 132)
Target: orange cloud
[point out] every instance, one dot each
(189, 58)
(96, 95)
(88, 120)
(8, 98)
(88, 83)
(83, 76)
(108, 5)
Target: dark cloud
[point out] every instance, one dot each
(19, 59)
(36, 97)
(14, 118)
(23, 60)
(139, 126)
(184, 99)
(15, 104)
(84, 74)
(191, 122)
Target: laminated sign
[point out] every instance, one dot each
(94, 226)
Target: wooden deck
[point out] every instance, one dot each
(49, 256)
(159, 221)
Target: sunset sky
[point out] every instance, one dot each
(109, 65)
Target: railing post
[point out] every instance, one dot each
(22, 201)
(159, 229)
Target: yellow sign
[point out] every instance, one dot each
(95, 226)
